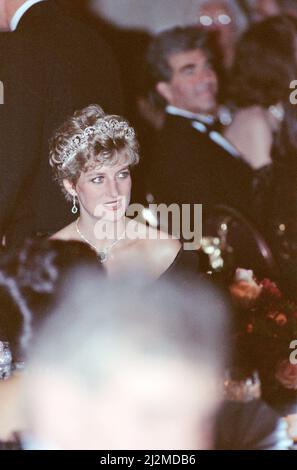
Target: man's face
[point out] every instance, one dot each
(215, 16)
(4, 21)
(193, 84)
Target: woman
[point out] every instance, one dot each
(264, 131)
(91, 155)
(264, 66)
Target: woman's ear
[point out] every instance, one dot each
(69, 186)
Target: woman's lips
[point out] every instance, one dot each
(113, 205)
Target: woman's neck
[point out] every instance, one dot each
(100, 233)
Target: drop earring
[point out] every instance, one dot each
(74, 208)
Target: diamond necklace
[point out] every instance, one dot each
(104, 253)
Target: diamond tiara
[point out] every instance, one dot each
(80, 141)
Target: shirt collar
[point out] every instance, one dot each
(20, 12)
(207, 119)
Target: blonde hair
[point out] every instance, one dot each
(103, 147)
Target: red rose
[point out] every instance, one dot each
(286, 374)
(272, 314)
(278, 317)
(270, 288)
(250, 328)
(245, 293)
(281, 319)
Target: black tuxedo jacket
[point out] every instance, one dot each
(188, 167)
(50, 66)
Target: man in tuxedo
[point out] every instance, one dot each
(51, 65)
(191, 162)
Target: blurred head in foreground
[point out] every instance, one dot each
(123, 366)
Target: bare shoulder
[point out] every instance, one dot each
(159, 250)
(253, 118)
(164, 248)
(251, 133)
(252, 112)
(66, 233)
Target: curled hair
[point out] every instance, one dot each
(102, 148)
(173, 41)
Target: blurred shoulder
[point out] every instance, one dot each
(66, 233)
(253, 117)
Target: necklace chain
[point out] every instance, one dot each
(104, 253)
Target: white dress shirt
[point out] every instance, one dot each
(20, 12)
(207, 119)
(198, 121)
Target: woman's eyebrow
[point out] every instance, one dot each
(95, 172)
(126, 167)
(100, 172)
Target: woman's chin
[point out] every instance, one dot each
(112, 216)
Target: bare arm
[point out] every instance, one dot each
(251, 133)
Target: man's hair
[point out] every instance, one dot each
(97, 324)
(173, 41)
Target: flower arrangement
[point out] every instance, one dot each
(266, 324)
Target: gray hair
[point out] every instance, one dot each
(173, 41)
(96, 324)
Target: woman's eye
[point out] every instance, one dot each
(98, 179)
(124, 174)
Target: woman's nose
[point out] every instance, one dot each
(112, 188)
